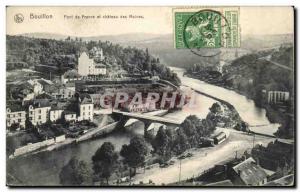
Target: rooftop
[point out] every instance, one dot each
(69, 112)
(221, 183)
(15, 106)
(85, 99)
(58, 106)
(44, 96)
(99, 65)
(37, 103)
(283, 181)
(249, 172)
(45, 82)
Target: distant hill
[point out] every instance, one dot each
(257, 42)
(133, 37)
(58, 56)
(162, 45)
(159, 45)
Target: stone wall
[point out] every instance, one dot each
(35, 146)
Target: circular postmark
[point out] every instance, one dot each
(205, 31)
(19, 18)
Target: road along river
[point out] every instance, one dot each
(43, 168)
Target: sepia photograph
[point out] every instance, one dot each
(150, 96)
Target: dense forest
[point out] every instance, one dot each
(250, 74)
(62, 55)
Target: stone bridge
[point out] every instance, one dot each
(147, 119)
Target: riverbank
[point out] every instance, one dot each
(276, 114)
(102, 130)
(246, 107)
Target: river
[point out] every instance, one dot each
(246, 108)
(43, 168)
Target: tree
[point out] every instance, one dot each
(28, 123)
(14, 127)
(181, 144)
(189, 126)
(147, 65)
(215, 108)
(75, 173)
(209, 126)
(244, 126)
(135, 152)
(213, 117)
(105, 160)
(162, 144)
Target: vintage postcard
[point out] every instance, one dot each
(200, 96)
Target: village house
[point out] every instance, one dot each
(57, 110)
(38, 111)
(276, 96)
(64, 92)
(15, 116)
(248, 173)
(30, 89)
(273, 94)
(79, 108)
(86, 108)
(22, 91)
(36, 86)
(277, 156)
(70, 116)
(97, 53)
(55, 113)
(46, 84)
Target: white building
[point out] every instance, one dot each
(86, 108)
(28, 97)
(278, 96)
(27, 90)
(64, 92)
(84, 111)
(87, 64)
(55, 114)
(70, 116)
(15, 115)
(99, 69)
(37, 86)
(97, 52)
(38, 112)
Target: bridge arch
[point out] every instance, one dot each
(124, 117)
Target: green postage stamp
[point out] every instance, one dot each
(206, 27)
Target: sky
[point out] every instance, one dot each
(154, 20)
